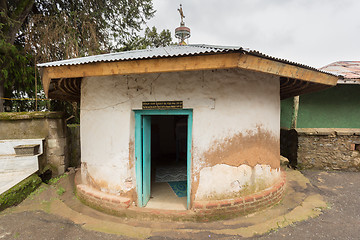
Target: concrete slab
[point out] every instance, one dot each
(163, 197)
(13, 168)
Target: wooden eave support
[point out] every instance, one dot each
(188, 63)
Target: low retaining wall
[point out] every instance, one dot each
(325, 148)
(46, 125)
(329, 149)
(243, 205)
(201, 210)
(105, 200)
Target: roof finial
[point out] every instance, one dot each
(182, 32)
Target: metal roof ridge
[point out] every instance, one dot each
(215, 46)
(97, 58)
(100, 55)
(173, 51)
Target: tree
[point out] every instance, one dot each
(12, 15)
(151, 38)
(50, 30)
(61, 29)
(17, 74)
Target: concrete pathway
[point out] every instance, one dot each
(47, 215)
(301, 215)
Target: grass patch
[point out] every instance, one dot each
(60, 191)
(38, 191)
(19, 192)
(55, 180)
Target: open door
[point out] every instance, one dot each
(146, 157)
(143, 121)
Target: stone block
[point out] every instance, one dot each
(52, 143)
(56, 147)
(57, 128)
(56, 160)
(57, 143)
(61, 170)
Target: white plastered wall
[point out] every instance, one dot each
(224, 103)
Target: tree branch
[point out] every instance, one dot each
(4, 9)
(19, 15)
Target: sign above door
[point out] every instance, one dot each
(162, 105)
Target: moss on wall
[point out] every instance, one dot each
(19, 125)
(29, 115)
(20, 129)
(337, 107)
(19, 192)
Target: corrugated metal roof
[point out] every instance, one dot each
(350, 70)
(168, 51)
(161, 52)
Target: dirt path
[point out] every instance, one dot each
(341, 221)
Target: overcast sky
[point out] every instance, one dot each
(311, 32)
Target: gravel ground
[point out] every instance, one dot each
(341, 191)
(341, 221)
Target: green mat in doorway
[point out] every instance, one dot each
(179, 188)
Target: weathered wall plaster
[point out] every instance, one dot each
(231, 182)
(236, 115)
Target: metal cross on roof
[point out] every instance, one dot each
(181, 14)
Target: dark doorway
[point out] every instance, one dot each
(168, 161)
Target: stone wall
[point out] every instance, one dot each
(47, 125)
(328, 148)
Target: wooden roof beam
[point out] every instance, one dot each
(259, 64)
(188, 63)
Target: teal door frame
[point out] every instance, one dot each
(139, 114)
(146, 158)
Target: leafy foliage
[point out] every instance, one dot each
(61, 29)
(17, 73)
(34, 31)
(151, 38)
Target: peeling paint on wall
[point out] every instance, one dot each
(252, 148)
(91, 176)
(225, 182)
(236, 115)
